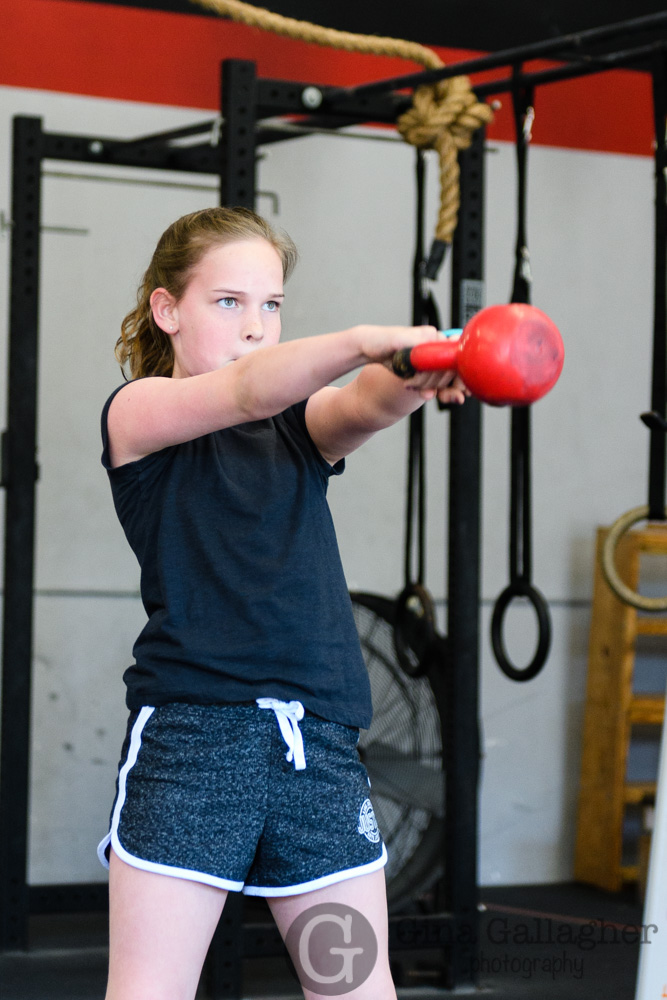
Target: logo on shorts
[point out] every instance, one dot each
(333, 947)
(367, 822)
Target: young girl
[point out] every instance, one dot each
(240, 769)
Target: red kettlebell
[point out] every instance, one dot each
(507, 355)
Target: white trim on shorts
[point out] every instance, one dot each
(112, 840)
(317, 883)
(112, 837)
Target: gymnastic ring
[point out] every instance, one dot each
(622, 591)
(521, 588)
(414, 629)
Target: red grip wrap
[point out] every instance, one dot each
(435, 355)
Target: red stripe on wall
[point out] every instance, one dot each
(132, 54)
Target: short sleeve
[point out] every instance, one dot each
(106, 459)
(298, 412)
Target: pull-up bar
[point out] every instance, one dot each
(572, 71)
(335, 100)
(555, 47)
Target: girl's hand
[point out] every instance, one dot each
(380, 344)
(447, 386)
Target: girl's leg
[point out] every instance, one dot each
(160, 929)
(366, 894)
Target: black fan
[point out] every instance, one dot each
(402, 752)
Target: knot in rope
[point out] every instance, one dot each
(438, 109)
(443, 116)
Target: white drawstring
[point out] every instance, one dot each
(289, 714)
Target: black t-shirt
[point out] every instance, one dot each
(241, 576)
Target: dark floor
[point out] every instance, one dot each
(558, 942)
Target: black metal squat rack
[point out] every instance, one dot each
(248, 105)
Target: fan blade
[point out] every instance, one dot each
(403, 780)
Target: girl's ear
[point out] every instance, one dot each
(165, 313)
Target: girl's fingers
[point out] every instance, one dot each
(432, 380)
(451, 395)
(446, 386)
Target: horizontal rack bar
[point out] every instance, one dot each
(509, 57)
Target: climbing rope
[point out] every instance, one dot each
(444, 116)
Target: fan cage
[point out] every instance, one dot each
(403, 754)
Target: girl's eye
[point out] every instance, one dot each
(228, 302)
(272, 306)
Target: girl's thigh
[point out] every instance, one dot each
(160, 929)
(342, 934)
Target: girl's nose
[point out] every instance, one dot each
(252, 329)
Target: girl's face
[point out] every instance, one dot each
(231, 306)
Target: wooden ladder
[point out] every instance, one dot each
(612, 710)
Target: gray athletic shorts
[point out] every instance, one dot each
(259, 797)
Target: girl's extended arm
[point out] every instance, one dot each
(340, 420)
(153, 413)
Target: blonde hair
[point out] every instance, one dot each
(143, 348)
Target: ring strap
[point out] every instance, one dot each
(656, 478)
(522, 105)
(424, 310)
(414, 619)
(520, 548)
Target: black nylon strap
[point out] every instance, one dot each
(522, 105)
(520, 492)
(415, 471)
(424, 311)
(520, 548)
(415, 636)
(521, 545)
(656, 419)
(415, 493)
